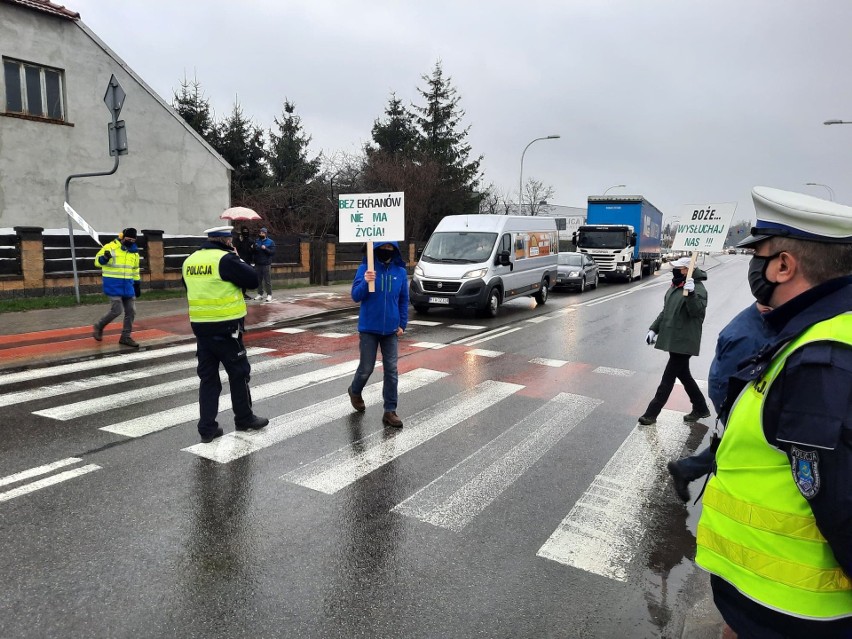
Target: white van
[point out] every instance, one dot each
(481, 261)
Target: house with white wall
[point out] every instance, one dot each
(54, 123)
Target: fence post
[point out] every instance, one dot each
(156, 258)
(32, 259)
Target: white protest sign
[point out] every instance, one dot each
(703, 227)
(372, 217)
(83, 224)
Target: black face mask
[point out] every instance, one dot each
(761, 288)
(129, 243)
(383, 255)
(678, 278)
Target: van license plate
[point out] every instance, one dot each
(439, 300)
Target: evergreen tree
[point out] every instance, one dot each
(397, 134)
(192, 105)
(443, 141)
(288, 151)
(241, 143)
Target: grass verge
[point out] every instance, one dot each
(66, 301)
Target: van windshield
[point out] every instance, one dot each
(459, 248)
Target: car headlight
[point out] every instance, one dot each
(477, 273)
(574, 274)
(418, 271)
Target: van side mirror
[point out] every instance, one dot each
(504, 259)
(574, 239)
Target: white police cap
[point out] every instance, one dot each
(796, 215)
(219, 231)
(681, 262)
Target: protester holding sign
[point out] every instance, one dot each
(677, 330)
(381, 320)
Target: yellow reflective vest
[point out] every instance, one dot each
(757, 531)
(211, 299)
(120, 271)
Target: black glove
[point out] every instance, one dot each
(106, 257)
(137, 289)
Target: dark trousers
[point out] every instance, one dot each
(119, 305)
(677, 368)
(230, 352)
(698, 465)
(369, 346)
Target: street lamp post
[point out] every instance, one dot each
(825, 186)
(521, 182)
(830, 122)
(614, 186)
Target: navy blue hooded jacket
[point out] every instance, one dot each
(385, 310)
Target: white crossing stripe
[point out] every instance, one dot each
(339, 469)
(702, 383)
(39, 470)
(490, 337)
(468, 340)
(289, 331)
(235, 445)
(483, 353)
(157, 391)
(103, 362)
(454, 499)
(47, 481)
(605, 526)
(147, 424)
(432, 345)
(109, 379)
(334, 335)
(540, 319)
(616, 372)
(466, 327)
(424, 323)
(555, 363)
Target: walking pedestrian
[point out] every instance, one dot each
(264, 250)
(677, 330)
(742, 338)
(119, 264)
(381, 320)
(245, 249)
(213, 277)
(776, 526)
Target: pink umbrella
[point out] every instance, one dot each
(239, 213)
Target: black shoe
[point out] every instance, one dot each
(647, 421)
(128, 341)
(206, 439)
(356, 400)
(97, 332)
(681, 485)
(255, 423)
(695, 415)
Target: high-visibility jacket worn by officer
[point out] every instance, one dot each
(121, 270)
(757, 531)
(211, 299)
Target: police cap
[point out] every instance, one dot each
(219, 231)
(798, 216)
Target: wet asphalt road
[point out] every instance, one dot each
(520, 499)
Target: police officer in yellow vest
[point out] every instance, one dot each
(776, 526)
(214, 277)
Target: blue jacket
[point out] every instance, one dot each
(121, 271)
(385, 310)
(261, 257)
(742, 338)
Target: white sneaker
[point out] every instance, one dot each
(258, 297)
(268, 298)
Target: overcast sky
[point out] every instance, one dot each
(683, 101)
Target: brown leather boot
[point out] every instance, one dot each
(391, 419)
(356, 400)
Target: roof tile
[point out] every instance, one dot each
(47, 7)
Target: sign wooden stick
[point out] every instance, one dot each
(371, 266)
(691, 268)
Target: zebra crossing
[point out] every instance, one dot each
(592, 537)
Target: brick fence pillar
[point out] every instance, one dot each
(32, 259)
(156, 258)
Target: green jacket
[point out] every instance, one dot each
(678, 326)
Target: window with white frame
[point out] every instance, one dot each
(34, 90)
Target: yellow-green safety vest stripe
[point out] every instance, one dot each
(123, 265)
(211, 299)
(756, 530)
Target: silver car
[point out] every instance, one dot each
(576, 271)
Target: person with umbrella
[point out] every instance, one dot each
(245, 249)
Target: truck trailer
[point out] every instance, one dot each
(622, 234)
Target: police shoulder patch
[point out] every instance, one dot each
(805, 466)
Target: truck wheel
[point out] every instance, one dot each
(541, 296)
(421, 310)
(493, 304)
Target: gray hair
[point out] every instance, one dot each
(820, 261)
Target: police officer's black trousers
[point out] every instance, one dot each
(231, 353)
(677, 368)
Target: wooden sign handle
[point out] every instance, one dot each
(691, 268)
(371, 266)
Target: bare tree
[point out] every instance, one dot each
(490, 202)
(507, 204)
(536, 192)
